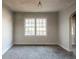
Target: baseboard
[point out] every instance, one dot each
(6, 50)
(35, 44)
(68, 50)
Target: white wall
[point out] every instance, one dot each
(6, 29)
(52, 28)
(64, 27)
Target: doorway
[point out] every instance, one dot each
(73, 32)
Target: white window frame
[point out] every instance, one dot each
(29, 27)
(35, 27)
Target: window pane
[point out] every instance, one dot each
(29, 26)
(41, 27)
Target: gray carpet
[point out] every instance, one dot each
(37, 52)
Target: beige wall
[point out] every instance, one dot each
(52, 28)
(64, 27)
(6, 29)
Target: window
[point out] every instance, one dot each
(35, 27)
(29, 26)
(40, 27)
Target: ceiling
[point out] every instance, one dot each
(32, 5)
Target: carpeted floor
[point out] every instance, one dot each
(38, 52)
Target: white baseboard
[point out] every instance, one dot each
(64, 48)
(35, 44)
(6, 49)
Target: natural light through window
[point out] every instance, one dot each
(40, 27)
(29, 26)
(36, 27)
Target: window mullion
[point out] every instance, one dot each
(35, 26)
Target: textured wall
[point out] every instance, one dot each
(52, 29)
(6, 29)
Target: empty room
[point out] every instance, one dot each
(38, 29)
